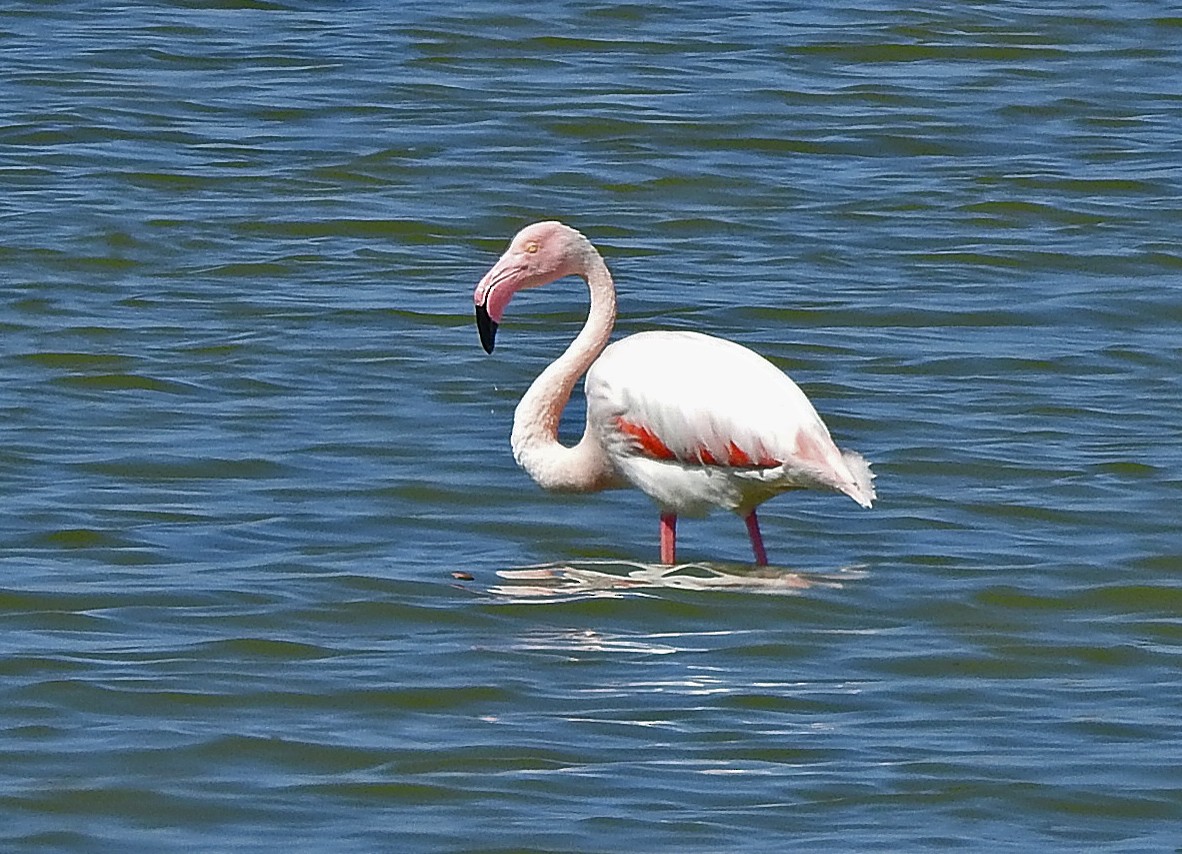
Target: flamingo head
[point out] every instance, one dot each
(537, 255)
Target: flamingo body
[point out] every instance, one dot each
(695, 422)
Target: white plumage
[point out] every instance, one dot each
(737, 429)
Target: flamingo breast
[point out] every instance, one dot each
(698, 422)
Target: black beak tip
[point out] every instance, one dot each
(487, 328)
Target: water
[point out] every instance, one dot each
(248, 434)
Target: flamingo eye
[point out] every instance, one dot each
(531, 247)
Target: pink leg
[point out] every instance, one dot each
(756, 539)
(668, 538)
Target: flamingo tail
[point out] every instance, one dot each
(862, 487)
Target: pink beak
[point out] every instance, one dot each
(492, 296)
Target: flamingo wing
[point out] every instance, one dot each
(693, 419)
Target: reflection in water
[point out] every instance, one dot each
(563, 640)
(621, 578)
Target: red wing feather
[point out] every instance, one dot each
(651, 445)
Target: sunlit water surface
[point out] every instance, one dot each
(271, 580)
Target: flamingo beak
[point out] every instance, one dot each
(487, 328)
(493, 294)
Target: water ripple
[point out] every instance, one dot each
(255, 466)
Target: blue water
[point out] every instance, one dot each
(269, 577)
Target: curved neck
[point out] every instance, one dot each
(585, 467)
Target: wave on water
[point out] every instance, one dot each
(607, 579)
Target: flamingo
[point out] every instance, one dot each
(693, 421)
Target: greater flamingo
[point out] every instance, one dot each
(693, 421)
